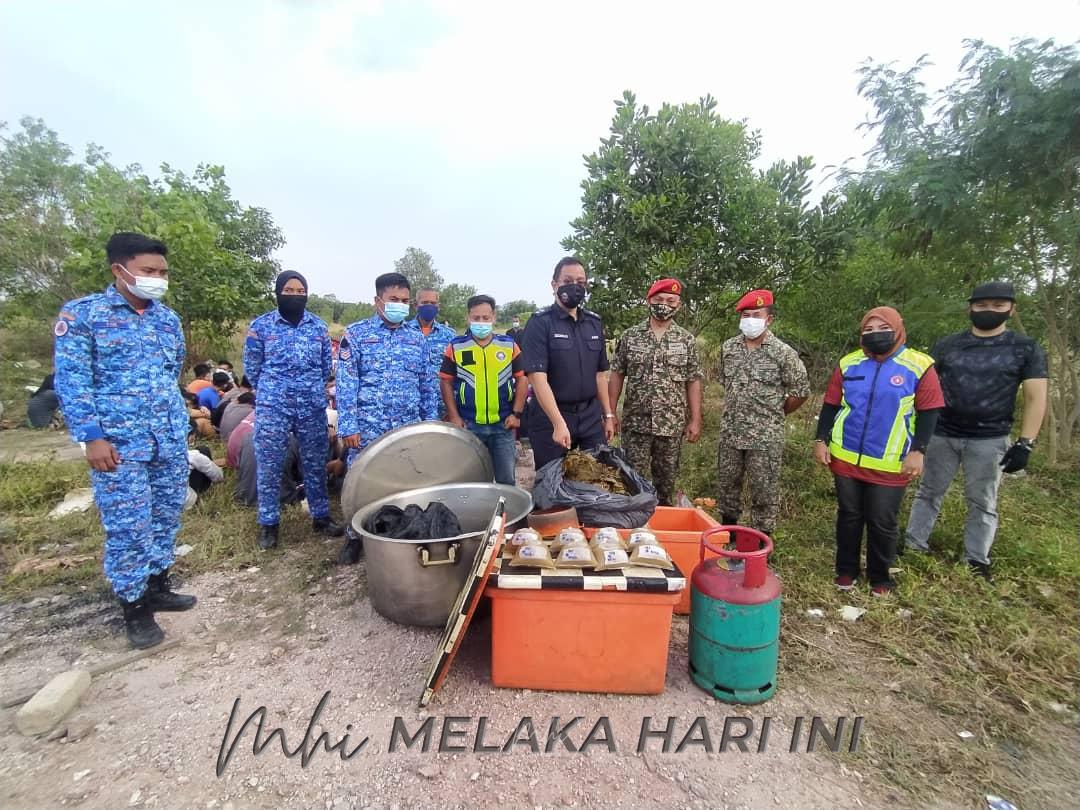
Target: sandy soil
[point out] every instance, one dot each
(149, 734)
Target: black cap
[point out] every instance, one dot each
(993, 289)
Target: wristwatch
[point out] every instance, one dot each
(517, 414)
(1028, 443)
(609, 416)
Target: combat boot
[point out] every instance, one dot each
(142, 630)
(161, 597)
(268, 537)
(325, 526)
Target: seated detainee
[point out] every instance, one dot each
(234, 413)
(202, 379)
(199, 417)
(292, 482)
(210, 397)
(43, 407)
(202, 471)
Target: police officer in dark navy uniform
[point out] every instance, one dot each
(567, 364)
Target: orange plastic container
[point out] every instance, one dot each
(580, 641)
(679, 530)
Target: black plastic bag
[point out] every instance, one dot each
(595, 506)
(413, 523)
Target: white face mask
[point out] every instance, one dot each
(146, 287)
(753, 327)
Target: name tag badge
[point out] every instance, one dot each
(560, 335)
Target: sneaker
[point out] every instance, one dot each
(882, 591)
(981, 570)
(844, 582)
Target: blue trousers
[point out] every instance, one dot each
(140, 504)
(273, 424)
(500, 444)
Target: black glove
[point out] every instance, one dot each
(1016, 457)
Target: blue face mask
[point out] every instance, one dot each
(395, 311)
(428, 312)
(480, 329)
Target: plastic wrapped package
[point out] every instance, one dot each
(596, 506)
(609, 559)
(533, 557)
(651, 556)
(641, 537)
(575, 557)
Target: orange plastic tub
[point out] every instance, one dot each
(678, 530)
(580, 641)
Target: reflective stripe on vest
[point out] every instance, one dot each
(486, 379)
(877, 412)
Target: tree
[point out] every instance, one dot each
(516, 308)
(57, 216)
(452, 303)
(417, 266)
(984, 180)
(674, 193)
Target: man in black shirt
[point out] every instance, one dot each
(566, 361)
(981, 371)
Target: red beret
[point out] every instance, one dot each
(754, 299)
(671, 285)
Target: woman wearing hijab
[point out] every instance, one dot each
(881, 405)
(287, 360)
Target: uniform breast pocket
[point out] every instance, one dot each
(594, 343)
(170, 347)
(677, 366)
(560, 343)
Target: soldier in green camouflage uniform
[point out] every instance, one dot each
(658, 360)
(764, 380)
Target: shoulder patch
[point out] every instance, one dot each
(61, 328)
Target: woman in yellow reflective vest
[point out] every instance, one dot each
(881, 405)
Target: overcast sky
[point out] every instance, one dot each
(457, 127)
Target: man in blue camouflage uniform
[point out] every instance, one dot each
(287, 358)
(437, 335)
(118, 359)
(385, 378)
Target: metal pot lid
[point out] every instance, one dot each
(412, 456)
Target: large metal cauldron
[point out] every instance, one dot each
(417, 581)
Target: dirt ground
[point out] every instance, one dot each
(37, 445)
(149, 734)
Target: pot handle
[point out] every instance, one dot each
(427, 562)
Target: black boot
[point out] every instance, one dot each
(268, 537)
(142, 630)
(352, 551)
(981, 570)
(161, 597)
(326, 526)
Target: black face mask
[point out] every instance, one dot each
(571, 295)
(878, 342)
(987, 319)
(291, 307)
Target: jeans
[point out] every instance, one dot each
(982, 476)
(500, 444)
(876, 508)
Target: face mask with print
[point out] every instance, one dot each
(662, 312)
(571, 295)
(395, 311)
(752, 327)
(146, 287)
(480, 329)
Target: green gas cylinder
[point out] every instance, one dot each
(735, 619)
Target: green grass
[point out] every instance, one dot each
(987, 659)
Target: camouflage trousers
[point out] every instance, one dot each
(761, 469)
(656, 458)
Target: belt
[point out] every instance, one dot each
(576, 407)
